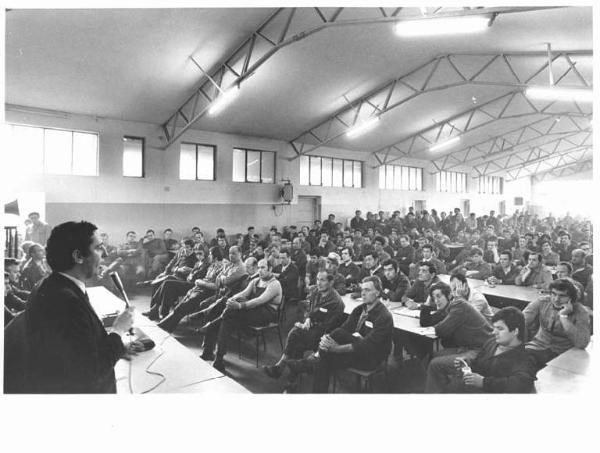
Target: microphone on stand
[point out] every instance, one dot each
(119, 285)
(146, 341)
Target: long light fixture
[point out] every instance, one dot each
(442, 26)
(223, 100)
(556, 93)
(363, 127)
(445, 144)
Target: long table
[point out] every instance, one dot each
(404, 319)
(570, 372)
(169, 367)
(501, 295)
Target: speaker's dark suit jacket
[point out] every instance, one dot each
(67, 349)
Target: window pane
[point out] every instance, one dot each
(348, 173)
(315, 171)
(85, 154)
(58, 151)
(453, 187)
(419, 179)
(206, 162)
(187, 161)
(404, 178)
(253, 166)
(239, 165)
(337, 173)
(267, 171)
(438, 186)
(133, 157)
(413, 178)
(326, 172)
(397, 177)
(304, 170)
(443, 181)
(357, 174)
(26, 152)
(382, 177)
(389, 176)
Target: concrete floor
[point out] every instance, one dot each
(405, 376)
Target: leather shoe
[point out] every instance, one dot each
(208, 356)
(273, 371)
(152, 315)
(219, 365)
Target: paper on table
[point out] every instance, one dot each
(426, 330)
(407, 312)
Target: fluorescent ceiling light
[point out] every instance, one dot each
(445, 144)
(224, 99)
(554, 93)
(442, 26)
(363, 127)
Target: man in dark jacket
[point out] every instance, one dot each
(325, 313)
(394, 282)
(502, 365)
(67, 349)
(462, 329)
(287, 273)
(364, 340)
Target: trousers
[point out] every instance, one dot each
(441, 370)
(330, 362)
(190, 304)
(223, 327)
(300, 340)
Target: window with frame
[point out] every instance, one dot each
(133, 156)
(197, 162)
(251, 165)
(491, 184)
(450, 181)
(36, 150)
(330, 172)
(400, 177)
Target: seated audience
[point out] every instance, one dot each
(502, 365)
(535, 273)
(36, 268)
(331, 266)
(504, 273)
(549, 258)
(394, 282)
(475, 267)
(172, 288)
(287, 274)
(427, 257)
(231, 273)
(462, 330)
(581, 271)
(13, 304)
(347, 268)
(325, 313)
(132, 266)
(39, 231)
(557, 322)
(256, 305)
(171, 245)
(363, 341)
(460, 289)
(156, 255)
(417, 294)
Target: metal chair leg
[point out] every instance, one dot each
(279, 335)
(257, 350)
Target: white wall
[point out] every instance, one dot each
(161, 200)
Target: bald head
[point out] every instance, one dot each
(251, 265)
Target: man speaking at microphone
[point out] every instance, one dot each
(67, 349)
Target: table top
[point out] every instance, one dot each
(169, 361)
(404, 319)
(521, 293)
(556, 380)
(575, 360)
(216, 386)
